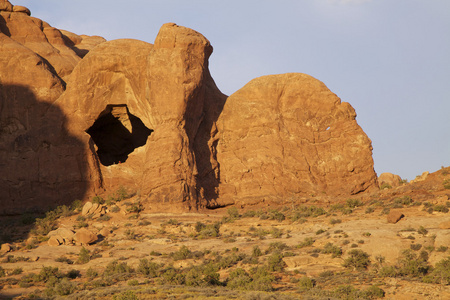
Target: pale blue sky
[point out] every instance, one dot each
(390, 59)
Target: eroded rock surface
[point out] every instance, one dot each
(286, 135)
(81, 117)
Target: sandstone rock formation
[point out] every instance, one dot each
(389, 180)
(80, 117)
(394, 216)
(285, 135)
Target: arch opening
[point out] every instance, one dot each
(117, 133)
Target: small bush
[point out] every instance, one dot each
(357, 260)
(412, 265)
(127, 295)
(370, 210)
(306, 242)
(441, 248)
(84, 256)
(98, 200)
(207, 231)
(306, 283)
(335, 221)
(275, 262)
(114, 268)
(133, 282)
(64, 259)
(274, 214)
(320, 231)
(182, 254)
(148, 268)
(415, 247)
(353, 203)
(256, 252)
(91, 273)
(334, 250)
(440, 273)
(446, 184)
(372, 292)
(64, 287)
(280, 246)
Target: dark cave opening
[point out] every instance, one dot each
(117, 132)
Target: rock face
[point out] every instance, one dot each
(389, 180)
(287, 135)
(81, 116)
(37, 169)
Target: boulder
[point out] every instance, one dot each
(55, 240)
(421, 177)
(6, 248)
(288, 135)
(86, 208)
(386, 180)
(5, 5)
(21, 9)
(84, 236)
(394, 216)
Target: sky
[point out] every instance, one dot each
(389, 59)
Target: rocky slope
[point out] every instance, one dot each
(81, 116)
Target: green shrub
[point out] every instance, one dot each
(335, 221)
(256, 252)
(334, 250)
(353, 203)
(306, 212)
(172, 276)
(261, 279)
(84, 256)
(127, 295)
(274, 214)
(148, 268)
(409, 264)
(415, 247)
(182, 254)
(388, 271)
(346, 292)
(114, 268)
(358, 260)
(275, 262)
(64, 259)
(320, 231)
(370, 210)
(276, 246)
(276, 233)
(239, 279)
(422, 230)
(2, 272)
(133, 282)
(207, 231)
(98, 200)
(440, 274)
(306, 283)
(372, 292)
(91, 273)
(64, 287)
(16, 271)
(446, 184)
(205, 275)
(104, 218)
(306, 242)
(441, 248)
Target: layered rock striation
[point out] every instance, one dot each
(81, 116)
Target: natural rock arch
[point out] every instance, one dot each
(117, 132)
